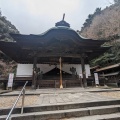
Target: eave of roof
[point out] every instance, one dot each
(110, 74)
(94, 67)
(52, 32)
(108, 67)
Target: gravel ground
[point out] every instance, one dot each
(8, 101)
(115, 94)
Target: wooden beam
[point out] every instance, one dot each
(61, 85)
(34, 73)
(57, 55)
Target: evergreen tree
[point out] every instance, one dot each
(116, 1)
(6, 27)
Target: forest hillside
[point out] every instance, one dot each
(105, 25)
(6, 27)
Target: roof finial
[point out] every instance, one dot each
(63, 16)
(62, 22)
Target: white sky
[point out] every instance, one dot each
(37, 16)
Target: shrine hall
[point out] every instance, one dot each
(56, 58)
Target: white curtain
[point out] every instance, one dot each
(45, 67)
(27, 69)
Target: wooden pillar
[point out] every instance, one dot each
(83, 71)
(60, 60)
(34, 73)
(4, 85)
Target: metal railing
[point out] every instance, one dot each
(22, 91)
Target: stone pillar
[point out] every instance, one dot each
(34, 73)
(61, 85)
(83, 71)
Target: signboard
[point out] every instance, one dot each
(86, 75)
(80, 75)
(96, 78)
(10, 80)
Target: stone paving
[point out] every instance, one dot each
(67, 98)
(96, 117)
(64, 90)
(44, 97)
(4, 91)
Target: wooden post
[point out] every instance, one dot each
(23, 98)
(60, 60)
(83, 71)
(5, 85)
(34, 73)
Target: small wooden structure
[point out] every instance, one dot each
(111, 74)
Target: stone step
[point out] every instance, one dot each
(69, 113)
(115, 116)
(60, 107)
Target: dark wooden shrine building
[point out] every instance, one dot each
(60, 54)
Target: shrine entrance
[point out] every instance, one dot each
(54, 74)
(52, 78)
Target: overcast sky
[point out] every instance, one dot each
(37, 16)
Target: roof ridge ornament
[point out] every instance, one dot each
(63, 16)
(62, 22)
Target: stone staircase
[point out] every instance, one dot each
(101, 110)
